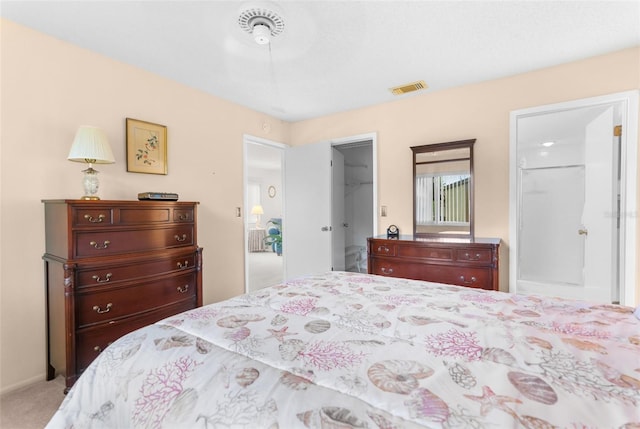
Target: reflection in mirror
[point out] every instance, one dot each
(443, 189)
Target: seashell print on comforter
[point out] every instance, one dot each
(347, 350)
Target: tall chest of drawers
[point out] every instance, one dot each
(464, 262)
(112, 267)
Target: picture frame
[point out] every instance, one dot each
(146, 147)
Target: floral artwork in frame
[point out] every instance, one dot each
(146, 147)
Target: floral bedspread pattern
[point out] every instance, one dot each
(353, 350)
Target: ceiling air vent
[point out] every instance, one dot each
(414, 86)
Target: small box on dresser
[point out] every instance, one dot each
(112, 267)
(458, 261)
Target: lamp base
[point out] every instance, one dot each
(91, 184)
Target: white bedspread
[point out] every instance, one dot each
(353, 350)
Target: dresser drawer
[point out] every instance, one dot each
(428, 253)
(92, 341)
(150, 215)
(478, 256)
(101, 243)
(131, 269)
(470, 277)
(143, 215)
(183, 215)
(448, 274)
(110, 304)
(392, 267)
(92, 217)
(101, 215)
(382, 249)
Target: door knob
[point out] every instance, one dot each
(325, 228)
(583, 231)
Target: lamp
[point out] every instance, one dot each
(91, 146)
(257, 210)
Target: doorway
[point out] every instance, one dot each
(316, 239)
(352, 200)
(573, 175)
(263, 209)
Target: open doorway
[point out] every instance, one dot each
(353, 205)
(263, 208)
(573, 176)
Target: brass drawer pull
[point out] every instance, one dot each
(104, 245)
(91, 219)
(178, 238)
(99, 349)
(469, 257)
(101, 311)
(386, 270)
(383, 249)
(102, 280)
(183, 289)
(471, 281)
(183, 266)
(183, 216)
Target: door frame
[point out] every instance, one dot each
(248, 139)
(628, 186)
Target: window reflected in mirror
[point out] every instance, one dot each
(443, 189)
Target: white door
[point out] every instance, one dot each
(307, 220)
(599, 229)
(338, 211)
(566, 228)
(263, 169)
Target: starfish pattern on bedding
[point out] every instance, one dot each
(279, 334)
(489, 400)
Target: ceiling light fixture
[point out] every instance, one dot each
(548, 144)
(261, 34)
(262, 24)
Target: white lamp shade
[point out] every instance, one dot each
(91, 145)
(257, 210)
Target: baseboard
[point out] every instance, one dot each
(12, 388)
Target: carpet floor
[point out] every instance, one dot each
(31, 407)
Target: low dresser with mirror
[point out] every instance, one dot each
(443, 247)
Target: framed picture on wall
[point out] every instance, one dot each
(146, 147)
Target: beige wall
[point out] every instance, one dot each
(478, 111)
(48, 88)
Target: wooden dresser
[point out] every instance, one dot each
(112, 267)
(464, 262)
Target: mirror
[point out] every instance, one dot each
(443, 189)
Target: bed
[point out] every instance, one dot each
(344, 350)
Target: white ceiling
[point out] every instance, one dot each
(335, 55)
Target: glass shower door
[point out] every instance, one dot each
(552, 203)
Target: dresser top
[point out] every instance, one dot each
(443, 240)
(114, 202)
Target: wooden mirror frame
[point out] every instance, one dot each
(441, 147)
